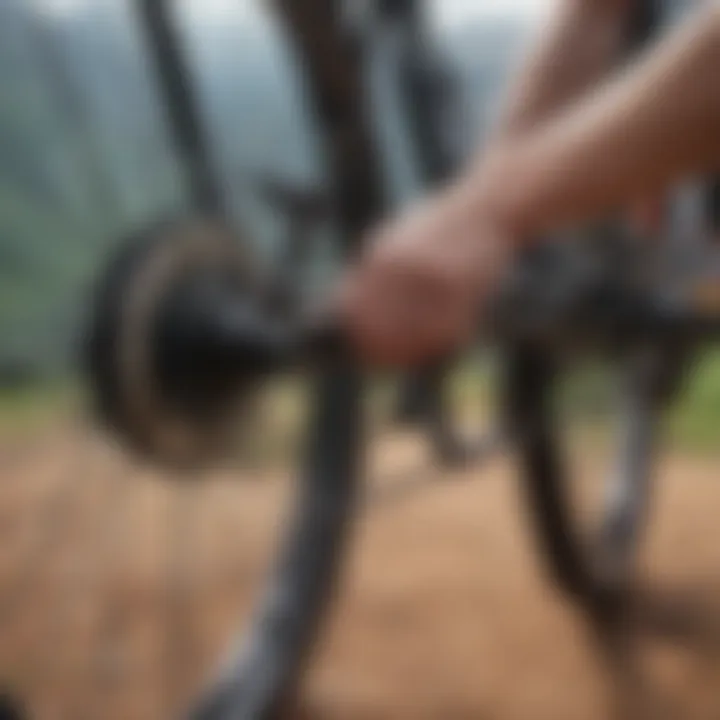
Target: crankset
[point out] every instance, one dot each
(186, 327)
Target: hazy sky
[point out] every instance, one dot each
(448, 11)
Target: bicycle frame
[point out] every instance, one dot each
(575, 293)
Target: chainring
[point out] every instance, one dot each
(129, 299)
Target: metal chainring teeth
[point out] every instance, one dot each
(128, 302)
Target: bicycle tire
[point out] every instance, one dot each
(598, 574)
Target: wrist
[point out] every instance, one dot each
(487, 199)
(483, 238)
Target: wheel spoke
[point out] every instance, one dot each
(628, 486)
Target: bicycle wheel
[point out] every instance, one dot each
(264, 668)
(265, 663)
(587, 484)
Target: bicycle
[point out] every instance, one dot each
(186, 328)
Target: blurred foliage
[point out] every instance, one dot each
(694, 421)
(65, 185)
(27, 409)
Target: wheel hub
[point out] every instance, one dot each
(164, 360)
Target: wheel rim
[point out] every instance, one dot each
(263, 667)
(595, 566)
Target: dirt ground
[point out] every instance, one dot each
(118, 590)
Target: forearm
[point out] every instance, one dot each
(644, 129)
(582, 41)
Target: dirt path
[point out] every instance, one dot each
(444, 613)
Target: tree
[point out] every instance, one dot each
(74, 116)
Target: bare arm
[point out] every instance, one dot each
(645, 128)
(581, 43)
(416, 293)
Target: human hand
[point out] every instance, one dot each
(418, 291)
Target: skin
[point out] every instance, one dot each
(571, 148)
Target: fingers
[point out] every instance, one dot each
(400, 318)
(414, 295)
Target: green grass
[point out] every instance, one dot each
(693, 422)
(28, 409)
